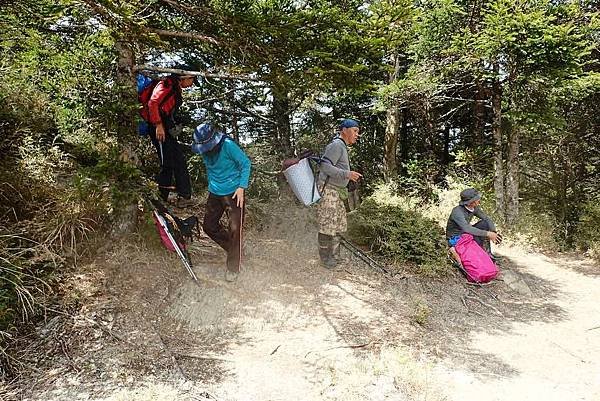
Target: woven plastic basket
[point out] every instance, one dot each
(302, 181)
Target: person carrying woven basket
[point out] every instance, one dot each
(334, 176)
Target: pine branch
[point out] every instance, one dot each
(189, 35)
(188, 9)
(147, 67)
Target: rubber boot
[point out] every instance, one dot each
(326, 250)
(336, 247)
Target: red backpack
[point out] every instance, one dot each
(145, 86)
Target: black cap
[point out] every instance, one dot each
(469, 195)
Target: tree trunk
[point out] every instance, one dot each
(234, 118)
(281, 114)
(446, 154)
(497, 134)
(404, 137)
(126, 80)
(478, 106)
(390, 167)
(512, 177)
(125, 217)
(478, 114)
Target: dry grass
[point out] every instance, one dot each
(392, 372)
(16, 254)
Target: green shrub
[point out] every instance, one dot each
(420, 312)
(404, 236)
(535, 229)
(587, 237)
(264, 180)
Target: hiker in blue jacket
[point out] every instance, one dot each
(228, 170)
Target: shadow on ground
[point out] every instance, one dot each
(285, 312)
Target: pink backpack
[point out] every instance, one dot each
(160, 222)
(477, 263)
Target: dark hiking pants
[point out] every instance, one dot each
(229, 239)
(483, 241)
(172, 164)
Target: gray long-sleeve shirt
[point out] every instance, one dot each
(459, 222)
(335, 164)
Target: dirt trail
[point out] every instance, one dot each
(553, 360)
(290, 330)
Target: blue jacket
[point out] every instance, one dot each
(228, 169)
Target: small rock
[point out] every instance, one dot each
(516, 283)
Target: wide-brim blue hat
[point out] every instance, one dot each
(206, 138)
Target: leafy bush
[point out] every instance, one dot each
(421, 312)
(405, 236)
(588, 229)
(264, 178)
(534, 230)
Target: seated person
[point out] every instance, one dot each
(459, 223)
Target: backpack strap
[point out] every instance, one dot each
(171, 82)
(329, 161)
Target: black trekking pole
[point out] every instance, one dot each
(362, 255)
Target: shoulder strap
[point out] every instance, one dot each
(169, 81)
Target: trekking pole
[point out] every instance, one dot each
(362, 255)
(178, 250)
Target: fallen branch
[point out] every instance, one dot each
(63, 347)
(347, 346)
(475, 298)
(204, 357)
(171, 354)
(469, 310)
(594, 328)
(95, 323)
(362, 255)
(569, 352)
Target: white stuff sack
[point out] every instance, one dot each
(302, 180)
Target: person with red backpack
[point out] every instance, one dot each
(160, 103)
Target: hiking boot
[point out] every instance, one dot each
(231, 276)
(183, 203)
(329, 264)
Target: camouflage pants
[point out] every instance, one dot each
(331, 213)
